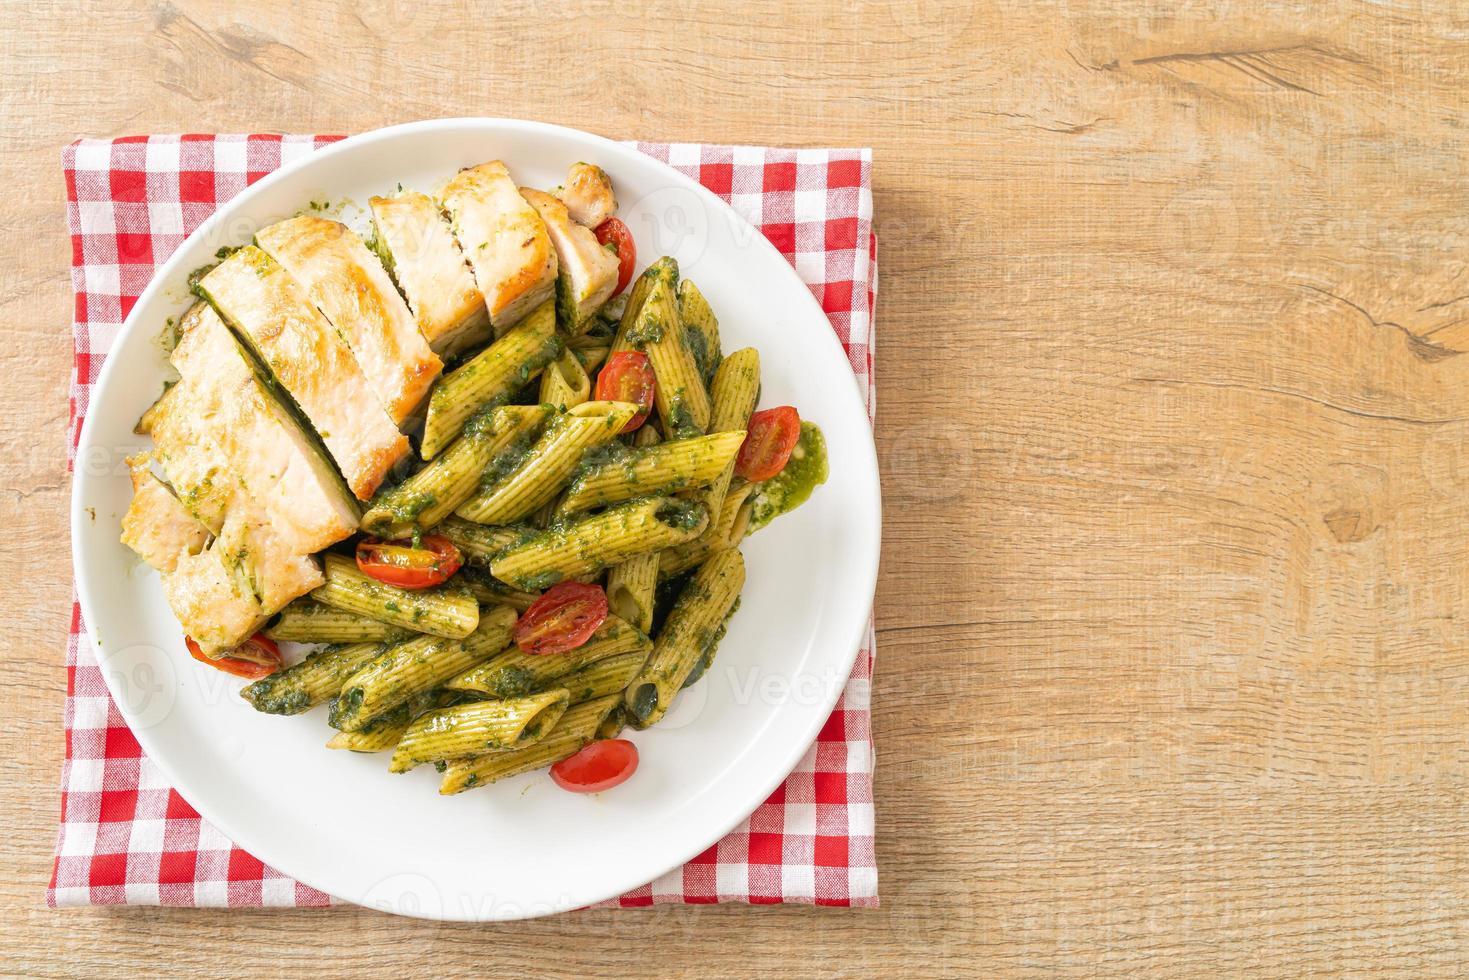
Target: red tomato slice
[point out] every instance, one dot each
(628, 377)
(257, 657)
(407, 567)
(562, 619)
(613, 232)
(600, 765)
(769, 439)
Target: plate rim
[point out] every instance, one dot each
(791, 755)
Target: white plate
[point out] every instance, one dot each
(339, 821)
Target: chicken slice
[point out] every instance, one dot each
(156, 525)
(586, 272)
(185, 451)
(415, 244)
(307, 357)
(286, 474)
(351, 287)
(277, 574)
(587, 194)
(505, 241)
(213, 601)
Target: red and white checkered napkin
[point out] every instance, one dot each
(127, 837)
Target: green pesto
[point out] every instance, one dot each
(644, 701)
(711, 646)
(607, 454)
(345, 705)
(168, 339)
(508, 461)
(565, 302)
(197, 276)
(543, 581)
(681, 418)
(698, 346)
(792, 486)
(513, 682)
(680, 514)
(378, 247)
(408, 507)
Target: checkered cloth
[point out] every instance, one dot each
(127, 837)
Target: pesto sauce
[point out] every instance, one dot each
(507, 462)
(680, 515)
(698, 346)
(681, 418)
(197, 276)
(513, 682)
(792, 486)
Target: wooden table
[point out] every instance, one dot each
(1174, 647)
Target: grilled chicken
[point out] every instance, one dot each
(586, 272)
(505, 241)
(276, 574)
(191, 434)
(213, 601)
(417, 247)
(587, 194)
(244, 470)
(288, 478)
(351, 287)
(156, 525)
(268, 308)
(185, 451)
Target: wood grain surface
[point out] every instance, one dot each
(1174, 430)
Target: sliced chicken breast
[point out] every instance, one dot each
(156, 526)
(284, 471)
(587, 194)
(586, 272)
(184, 450)
(415, 244)
(276, 573)
(213, 600)
(505, 241)
(271, 312)
(350, 286)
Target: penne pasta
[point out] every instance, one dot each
(308, 621)
(687, 635)
(630, 589)
(514, 672)
(535, 479)
(442, 611)
(415, 667)
(432, 494)
(564, 382)
(468, 730)
(606, 677)
(701, 329)
(577, 726)
(725, 532)
(313, 681)
(621, 473)
(592, 543)
(681, 397)
(384, 731)
(733, 394)
(494, 374)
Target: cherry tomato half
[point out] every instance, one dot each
(628, 377)
(257, 657)
(614, 232)
(395, 563)
(562, 619)
(600, 765)
(769, 439)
